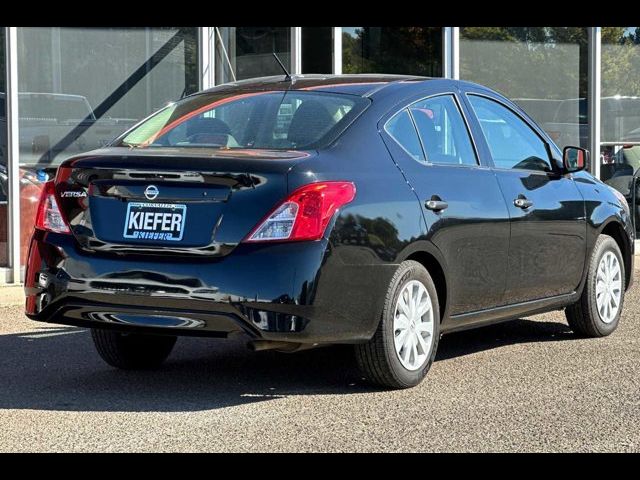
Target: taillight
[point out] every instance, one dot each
(49, 216)
(305, 214)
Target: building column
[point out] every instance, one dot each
(451, 52)
(337, 50)
(595, 61)
(13, 152)
(296, 50)
(455, 53)
(206, 57)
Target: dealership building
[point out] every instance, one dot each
(67, 90)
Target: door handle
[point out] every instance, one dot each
(436, 205)
(522, 202)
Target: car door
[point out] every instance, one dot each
(464, 210)
(548, 226)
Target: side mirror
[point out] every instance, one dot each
(575, 159)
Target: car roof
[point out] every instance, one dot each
(355, 84)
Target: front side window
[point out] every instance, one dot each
(279, 120)
(443, 132)
(513, 144)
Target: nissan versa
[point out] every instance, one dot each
(379, 211)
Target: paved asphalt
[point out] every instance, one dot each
(528, 385)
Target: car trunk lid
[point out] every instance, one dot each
(170, 201)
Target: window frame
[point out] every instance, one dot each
(426, 162)
(550, 158)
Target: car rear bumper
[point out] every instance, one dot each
(295, 292)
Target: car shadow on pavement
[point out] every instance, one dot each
(502, 334)
(57, 368)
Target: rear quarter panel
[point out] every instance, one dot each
(371, 235)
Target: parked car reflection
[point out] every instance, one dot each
(567, 120)
(48, 119)
(30, 188)
(620, 169)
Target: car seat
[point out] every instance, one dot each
(309, 123)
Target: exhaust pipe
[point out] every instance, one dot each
(288, 347)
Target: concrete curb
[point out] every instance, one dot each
(11, 295)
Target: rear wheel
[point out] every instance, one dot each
(131, 351)
(598, 311)
(404, 346)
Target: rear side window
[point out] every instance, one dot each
(280, 120)
(513, 143)
(401, 128)
(444, 135)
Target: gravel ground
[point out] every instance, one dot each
(528, 385)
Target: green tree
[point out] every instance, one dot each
(620, 61)
(402, 50)
(534, 62)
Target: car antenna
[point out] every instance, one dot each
(287, 75)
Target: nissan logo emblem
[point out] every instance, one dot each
(151, 192)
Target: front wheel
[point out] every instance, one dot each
(404, 346)
(131, 351)
(598, 311)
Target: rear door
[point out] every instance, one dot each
(464, 211)
(548, 226)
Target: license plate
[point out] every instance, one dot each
(155, 221)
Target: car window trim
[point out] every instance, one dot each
(415, 127)
(456, 100)
(527, 123)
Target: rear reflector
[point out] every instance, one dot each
(305, 214)
(49, 217)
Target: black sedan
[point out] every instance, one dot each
(379, 211)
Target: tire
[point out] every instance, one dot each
(378, 359)
(584, 317)
(132, 351)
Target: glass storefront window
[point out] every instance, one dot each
(620, 112)
(543, 69)
(4, 205)
(246, 52)
(401, 50)
(317, 49)
(79, 88)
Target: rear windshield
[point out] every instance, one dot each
(280, 120)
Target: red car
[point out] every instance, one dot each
(30, 189)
